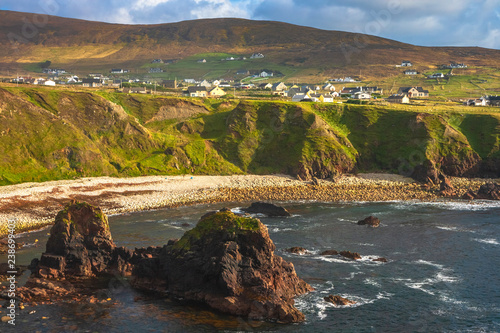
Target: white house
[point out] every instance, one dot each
(361, 95)
(50, 83)
(265, 74)
(436, 76)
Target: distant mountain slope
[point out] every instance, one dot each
(83, 45)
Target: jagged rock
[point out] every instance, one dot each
(350, 255)
(489, 191)
(329, 253)
(469, 195)
(80, 243)
(228, 262)
(371, 221)
(297, 250)
(426, 173)
(266, 209)
(446, 188)
(338, 300)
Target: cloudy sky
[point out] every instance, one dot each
(422, 22)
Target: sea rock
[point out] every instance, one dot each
(266, 209)
(329, 253)
(338, 300)
(371, 221)
(80, 243)
(296, 250)
(381, 259)
(228, 262)
(350, 255)
(489, 191)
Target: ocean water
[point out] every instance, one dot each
(442, 274)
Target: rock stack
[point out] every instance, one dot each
(226, 261)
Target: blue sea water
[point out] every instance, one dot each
(442, 274)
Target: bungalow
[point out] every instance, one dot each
(406, 63)
(329, 87)
(280, 86)
(361, 95)
(404, 99)
(243, 72)
(118, 71)
(294, 91)
(323, 98)
(155, 70)
(349, 90)
(265, 74)
(476, 102)
(135, 90)
(216, 92)
(494, 100)
(256, 56)
(196, 91)
(205, 83)
(265, 86)
(91, 83)
(410, 72)
(413, 92)
(304, 98)
(49, 83)
(436, 76)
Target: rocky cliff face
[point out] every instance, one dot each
(226, 262)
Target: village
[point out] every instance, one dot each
(263, 84)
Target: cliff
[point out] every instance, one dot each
(57, 133)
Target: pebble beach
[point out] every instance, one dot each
(34, 205)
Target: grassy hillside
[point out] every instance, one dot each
(301, 53)
(57, 133)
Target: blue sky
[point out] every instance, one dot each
(422, 22)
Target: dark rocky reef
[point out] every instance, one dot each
(265, 208)
(226, 261)
(370, 221)
(297, 250)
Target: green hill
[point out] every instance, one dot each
(58, 134)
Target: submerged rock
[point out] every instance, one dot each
(330, 253)
(338, 300)
(266, 209)
(371, 221)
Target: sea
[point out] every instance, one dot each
(442, 272)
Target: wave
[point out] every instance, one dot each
(478, 205)
(491, 241)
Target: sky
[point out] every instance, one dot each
(422, 22)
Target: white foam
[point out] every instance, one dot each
(477, 205)
(372, 282)
(491, 241)
(430, 263)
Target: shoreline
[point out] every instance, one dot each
(34, 205)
